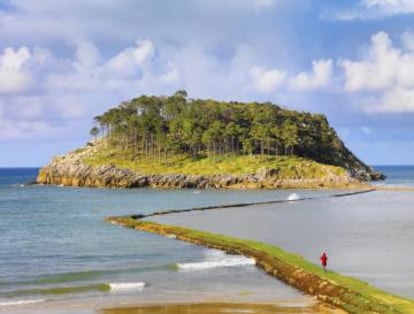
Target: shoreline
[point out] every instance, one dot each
(119, 178)
(349, 294)
(223, 307)
(74, 169)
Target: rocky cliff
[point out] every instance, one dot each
(72, 170)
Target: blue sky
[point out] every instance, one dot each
(64, 62)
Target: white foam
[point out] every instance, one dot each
(18, 185)
(293, 197)
(123, 286)
(20, 302)
(213, 254)
(228, 261)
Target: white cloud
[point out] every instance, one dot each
(172, 74)
(407, 39)
(397, 100)
(49, 115)
(126, 63)
(87, 54)
(23, 130)
(102, 32)
(13, 77)
(372, 9)
(89, 72)
(320, 77)
(11, 59)
(266, 81)
(389, 7)
(65, 89)
(21, 121)
(383, 68)
(13, 81)
(143, 51)
(195, 70)
(385, 75)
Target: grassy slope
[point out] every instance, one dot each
(348, 293)
(289, 167)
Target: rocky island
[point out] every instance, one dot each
(176, 142)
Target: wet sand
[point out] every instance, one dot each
(214, 308)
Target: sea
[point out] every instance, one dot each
(59, 255)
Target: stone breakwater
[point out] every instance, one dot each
(344, 292)
(71, 170)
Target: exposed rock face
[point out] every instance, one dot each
(357, 169)
(71, 170)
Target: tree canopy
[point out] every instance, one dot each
(158, 126)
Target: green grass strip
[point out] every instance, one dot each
(348, 293)
(286, 167)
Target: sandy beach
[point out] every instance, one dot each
(221, 307)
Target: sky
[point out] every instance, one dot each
(64, 62)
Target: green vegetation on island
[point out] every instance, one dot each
(285, 167)
(190, 136)
(177, 142)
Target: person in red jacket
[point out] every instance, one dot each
(324, 260)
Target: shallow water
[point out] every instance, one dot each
(54, 239)
(368, 236)
(56, 249)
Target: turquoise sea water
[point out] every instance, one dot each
(56, 248)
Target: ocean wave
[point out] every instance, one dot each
(20, 302)
(72, 278)
(216, 259)
(100, 287)
(69, 277)
(125, 286)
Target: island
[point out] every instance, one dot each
(178, 142)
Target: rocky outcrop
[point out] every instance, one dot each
(72, 170)
(357, 169)
(111, 176)
(366, 174)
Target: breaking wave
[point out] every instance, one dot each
(20, 302)
(98, 287)
(125, 286)
(216, 259)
